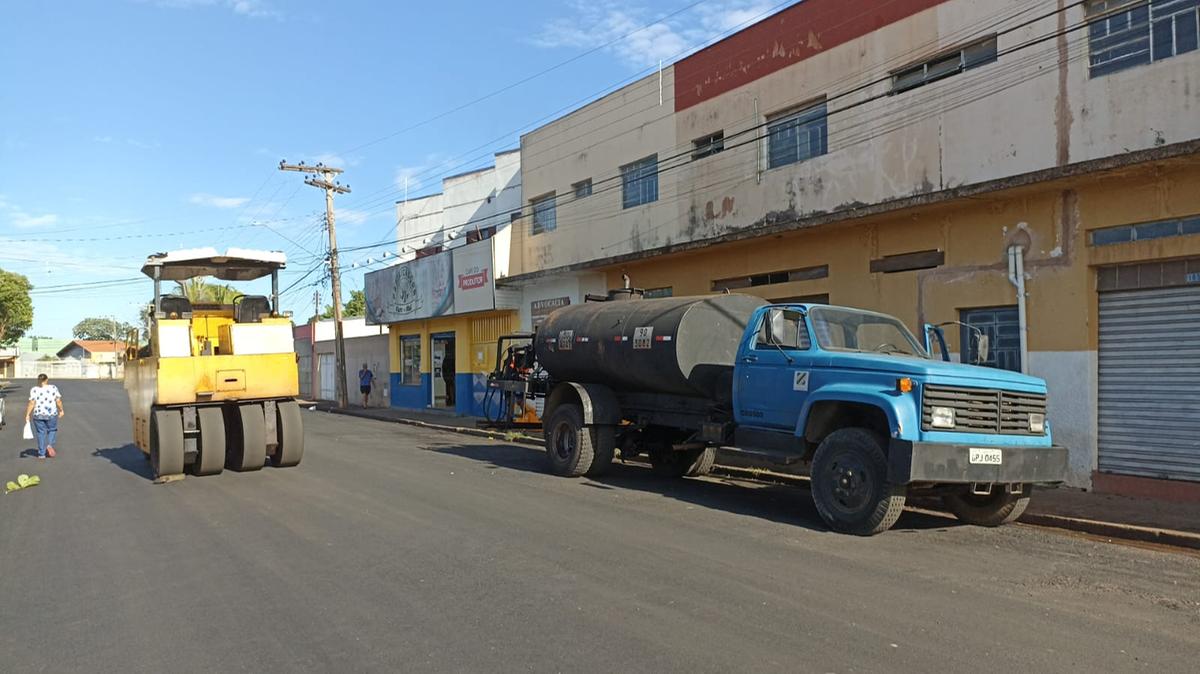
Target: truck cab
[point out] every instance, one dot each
(819, 379)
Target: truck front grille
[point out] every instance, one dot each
(978, 410)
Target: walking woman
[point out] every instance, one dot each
(44, 410)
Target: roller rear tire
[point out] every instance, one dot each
(166, 442)
(291, 435)
(246, 448)
(211, 444)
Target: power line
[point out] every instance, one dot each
(685, 147)
(845, 109)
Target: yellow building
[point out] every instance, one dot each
(928, 162)
(441, 304)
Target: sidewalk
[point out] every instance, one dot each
(1119, 517)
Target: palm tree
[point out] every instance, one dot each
(196, 290)
(200, 291)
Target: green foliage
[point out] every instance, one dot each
(101, 329)
(199, 291)
(16, 308)
(354, 308)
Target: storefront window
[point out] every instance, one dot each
(410, 360)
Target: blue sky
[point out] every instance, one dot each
(134, 126)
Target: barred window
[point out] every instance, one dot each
(545, 215)
(971, 56)
(796, 136)
(639, 182)
(1144, 33)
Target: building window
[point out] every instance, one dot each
(545, 216)
(1147, 230)
(945, 65)
(796, 136)
(708, 145)
(1003, 330)
(410, 360)
(639, 182)
(771, 278)
(655, 293)
(891, 264)
(480, 233)
(429, 250)
(822, 298)
(1143, 33)
(583, 188)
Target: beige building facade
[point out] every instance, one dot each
(910, 157)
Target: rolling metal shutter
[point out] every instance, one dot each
(1149, 409)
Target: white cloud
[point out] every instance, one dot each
(636, 38)
(256, 9)
(214, 201)
(426, 176)
(22, 219)
(350, 216)
(102, 139)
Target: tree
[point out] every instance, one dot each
(355, 307)
(16, 308)
(199, 291)
(101, 329)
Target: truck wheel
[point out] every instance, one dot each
(212, 442)
(849, 484)
(570, 446)
(604, 447)
(992, 510)
(291, 435)
(246, 448)
(668, 462)
(166, 442)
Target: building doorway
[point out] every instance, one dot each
(442, 350)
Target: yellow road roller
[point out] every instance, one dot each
(215, 387)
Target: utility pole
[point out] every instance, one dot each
(327, 183)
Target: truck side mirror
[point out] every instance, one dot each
(935, 334)
(982, 349)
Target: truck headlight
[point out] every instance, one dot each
(1037, 423)
(942, 417)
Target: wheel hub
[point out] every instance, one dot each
(564, 441)
(851, 482)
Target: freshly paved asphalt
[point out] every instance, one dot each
(397, 549)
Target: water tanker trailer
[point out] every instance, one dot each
(851, 395)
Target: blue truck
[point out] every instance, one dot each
(852, 395)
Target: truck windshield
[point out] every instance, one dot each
(850, 330)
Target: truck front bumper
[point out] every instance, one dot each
(945, 463)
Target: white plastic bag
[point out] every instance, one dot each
(28, 434)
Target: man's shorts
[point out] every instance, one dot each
(366, 390)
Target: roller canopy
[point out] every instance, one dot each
(237, 264)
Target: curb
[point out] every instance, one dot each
(1112, 530)
(476, 432)
(1126, 532)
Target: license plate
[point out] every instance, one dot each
(988, 457)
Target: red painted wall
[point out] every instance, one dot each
(784, 39)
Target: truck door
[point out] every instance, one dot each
(773, 372)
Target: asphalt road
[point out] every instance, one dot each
(396, 549)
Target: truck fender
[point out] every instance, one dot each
(600, 406)
(899, 408)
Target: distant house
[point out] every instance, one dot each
(8, 363)
(97, 351)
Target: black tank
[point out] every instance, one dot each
(680, 345)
